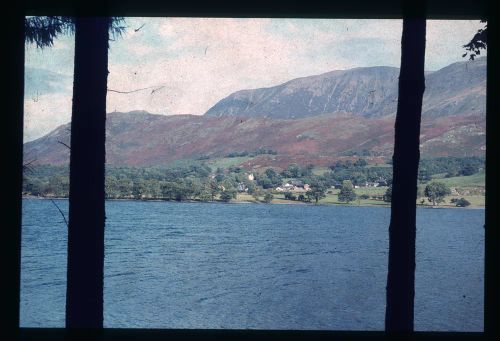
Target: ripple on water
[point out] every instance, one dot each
(176, 265)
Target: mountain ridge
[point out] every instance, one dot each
(453, 123)
(368, 91)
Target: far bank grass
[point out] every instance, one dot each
(332, 199)
(474, 180)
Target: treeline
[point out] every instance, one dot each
(358, 173)
(195, 180)
(192, 181)
(450, 166)
(256, 152)
(362, 152)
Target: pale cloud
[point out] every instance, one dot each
(57, 58)
(206, 59)
(45, 113)
(445, 40)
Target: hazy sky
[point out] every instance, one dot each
(198, 61)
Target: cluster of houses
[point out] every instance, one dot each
(299, 186)
(294, 185)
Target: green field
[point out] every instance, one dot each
(378, 165)
(332, 198)
(475, 201)
(227, 162)
(320, 170)
(474, 180)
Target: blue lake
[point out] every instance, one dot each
(210, 265)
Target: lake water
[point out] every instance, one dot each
(210, 265)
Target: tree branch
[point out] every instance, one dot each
(64, 144)
(129, 92)
(65, 221)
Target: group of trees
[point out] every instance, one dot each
(347, 193)
(435, 192)
(269, 179)
(318, 190)
(195, 180)
(297, 172)
(358, 172)
(449, 166)
(258, 151)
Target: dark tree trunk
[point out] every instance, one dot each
(402, 229)
(84, 295)
(11, 133)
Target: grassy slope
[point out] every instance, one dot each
(474, 180)
(227, 162)
(332, 198)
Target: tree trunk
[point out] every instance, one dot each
(11, 135)
(84, 295)
(402, 229)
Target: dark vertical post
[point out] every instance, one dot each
(84, 296)
(11, 170)
(492, 242)
(402, 229)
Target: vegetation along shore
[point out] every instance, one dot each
(443, 182)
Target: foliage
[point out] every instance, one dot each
(42, 30)
(296, 171)
(424, 175)
(195, 180)
(227, 195)
(477, 43)
(388, 194)
(451, 166)
(317, 191)
(259, 151)
(256, 195)
(462, 202)
(347, 193)
(468, 170)
(268, 197)
(363, 152)
(358, 175)
(270, 179)
(436, 191)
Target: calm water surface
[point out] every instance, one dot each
(208, 265)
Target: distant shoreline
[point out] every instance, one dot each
(262, 203)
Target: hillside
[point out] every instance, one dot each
(311, 120)
(457, 89)
(143, 139)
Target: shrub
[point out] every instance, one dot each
(268, 197)
(462, 202)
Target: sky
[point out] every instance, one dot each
(189, 64)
